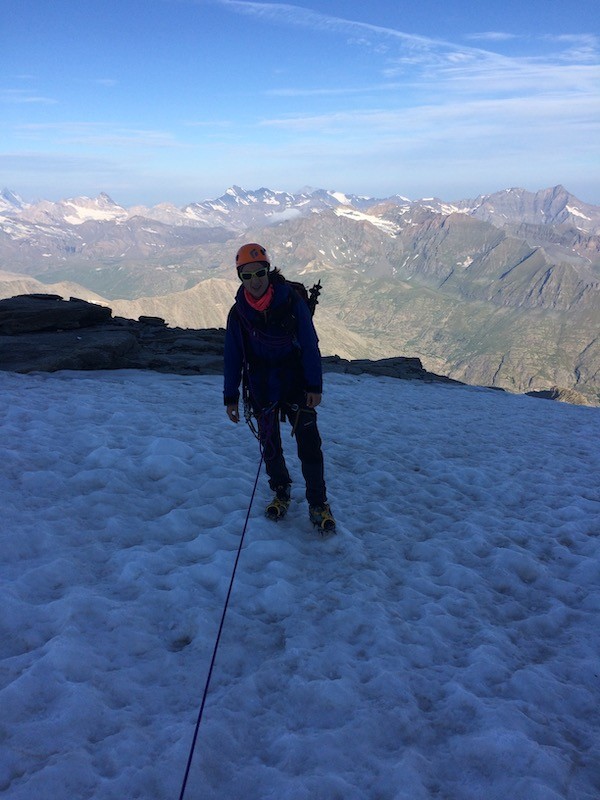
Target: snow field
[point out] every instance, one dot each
(443, 645)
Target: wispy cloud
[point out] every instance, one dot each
(583, 48)
(33, 163)
(491, 36)
(430, 62)
(99, 134)
(332, 91)
(578, 39)
(208, 124)
(24, 96)
(432, 114)
(434, 118)
(315, 20)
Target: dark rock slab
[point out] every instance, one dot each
(46, 312)
(570, 396)
(398, 367)
(51, 351)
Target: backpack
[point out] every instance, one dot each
(285, 316)
(311, 297)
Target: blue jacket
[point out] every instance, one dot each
(279, 346)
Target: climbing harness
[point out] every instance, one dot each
(299, 410)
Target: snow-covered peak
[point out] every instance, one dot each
(10, 201)
(236, 193)
(341, 198)
(99, 209)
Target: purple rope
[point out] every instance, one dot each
(218, 639)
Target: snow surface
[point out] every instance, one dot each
(444, 644)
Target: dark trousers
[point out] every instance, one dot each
(308, 442)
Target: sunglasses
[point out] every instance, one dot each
(260, 273)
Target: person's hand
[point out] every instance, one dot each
(233, 412)
(312, 399)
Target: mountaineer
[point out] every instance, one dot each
(271, 346)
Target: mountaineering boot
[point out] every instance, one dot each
(322, 518)
(279, 505)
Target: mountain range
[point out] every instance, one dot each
(499, 290)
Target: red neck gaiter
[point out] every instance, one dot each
(263, 302)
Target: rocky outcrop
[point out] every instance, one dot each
(409, 369)
(44, 333)
(50, 351)
(49, 312)
(562, 396)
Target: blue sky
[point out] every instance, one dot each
(175, 100)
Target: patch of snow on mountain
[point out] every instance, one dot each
(341, 198)
(576, 212)
(85, 213)
(9, 201)
(15, 230)
(384, 225)
(216, 206)
(445, 208)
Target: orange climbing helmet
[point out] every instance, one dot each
(250, 254)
